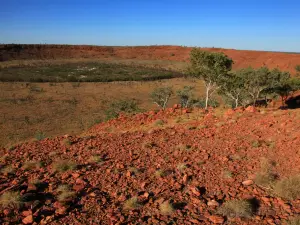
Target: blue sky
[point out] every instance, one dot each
(239, 24)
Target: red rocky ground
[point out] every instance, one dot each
(196, 151)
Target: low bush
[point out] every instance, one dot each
(236, 208)
(127, 106)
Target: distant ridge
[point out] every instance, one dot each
(242, 58)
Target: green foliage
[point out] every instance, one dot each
(201, 103)
(185, 95)
(211, 67)
(84, 72)
(127, 106)
(161, 96)
(40, 135)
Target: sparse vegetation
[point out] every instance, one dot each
(166, 208)
(8, 170)
(31, 165)
(236, 208)
(65, 195)
(293, 221)
(131, 204)
(288, 188)
(11, 200)
(95, 159)
(161, 96)
(266, 177)
(185, 95)
(127, 106)
(181, 166)
(40, 135)
(85, 72)
(160, 173)
(63, 166)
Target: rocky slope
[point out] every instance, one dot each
(172, 167)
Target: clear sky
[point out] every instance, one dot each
(239, 24)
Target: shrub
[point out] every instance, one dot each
(236, 208)
(124, 106)
(166, 208)
(185, 95)
(288, 188)
(30, 165)
(95, 159)
(8, 170)
(11, 199)
(161, 96)
(131, 204)
(200, 103)
(65, 194)
(265, 177)
(294, 221)
(63, 165)
(40, 135)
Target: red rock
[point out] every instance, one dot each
(195, 191)
(247, 182)
(28, 219)
(216, 219)
(75, 175)
(78, 187)
(176, 106)
(213, 203)
(27, 213)
(7, 212)
(251, 109)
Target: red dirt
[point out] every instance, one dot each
(242, 58)
(134, 148)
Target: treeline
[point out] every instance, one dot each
(242, 87)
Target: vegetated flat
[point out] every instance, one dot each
(84, 71)
(27, 109)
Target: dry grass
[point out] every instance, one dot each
(66, 109)
(236, 208)
(131, 204)
(181, 166)
(288, 188)
(160, 173)
(65, 194)
(11, 200)
(95, 159)
(8, 170)
(293, 221)
(166, 208)
(31, 165)
(63, 165)
(266, 176)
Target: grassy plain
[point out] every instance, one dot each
(34, 110)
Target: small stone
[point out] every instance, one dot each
(247, 182)
(213, 203)
(28, 219)
(216, 219)
(195, 191)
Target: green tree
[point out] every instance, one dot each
(185, 95)
(232, 88)
(209, 66)
(161, 96)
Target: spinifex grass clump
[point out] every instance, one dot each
(11, 200)
(63, 165)
(236, 208)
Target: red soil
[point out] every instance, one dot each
(242, 58)
(134, 148)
